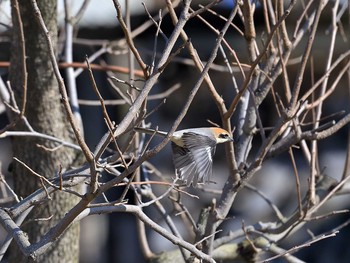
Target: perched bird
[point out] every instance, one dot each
(193, 151)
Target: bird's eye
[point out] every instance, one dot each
(223, 136)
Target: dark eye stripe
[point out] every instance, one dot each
(223, 135)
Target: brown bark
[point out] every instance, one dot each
(46, 115)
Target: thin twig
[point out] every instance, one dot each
(39, 135)
(297, 181)
(129, 38)
(297, 248)
(8, 187)
(94, 85)
(41, 177)
(23, 63)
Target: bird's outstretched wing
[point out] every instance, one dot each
(193, 162)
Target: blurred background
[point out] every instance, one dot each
(113, 237)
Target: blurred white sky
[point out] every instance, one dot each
(102, 12)
(99, 12)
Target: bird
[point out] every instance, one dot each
(193, 150)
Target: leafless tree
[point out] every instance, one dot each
(276, 66)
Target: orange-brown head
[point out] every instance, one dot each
(221, 135)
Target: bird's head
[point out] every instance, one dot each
(221, 135)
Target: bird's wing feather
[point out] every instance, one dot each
(185, 168)
(204, 163)
(193, 162)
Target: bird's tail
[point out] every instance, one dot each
(150, 131)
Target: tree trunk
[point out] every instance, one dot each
(46, 115)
